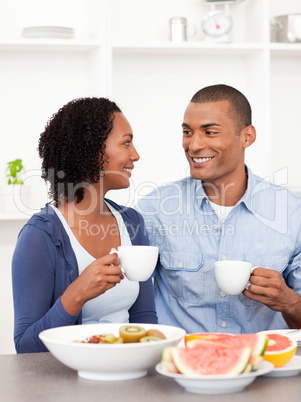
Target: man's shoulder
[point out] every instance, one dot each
(270, 199)
(260, 184)
(173, 187)
(167, 197)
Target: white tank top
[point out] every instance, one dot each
(113, 305)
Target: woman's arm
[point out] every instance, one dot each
(143, 310)
(37, 267)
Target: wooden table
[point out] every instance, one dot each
(40, 377)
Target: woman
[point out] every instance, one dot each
(62, 271)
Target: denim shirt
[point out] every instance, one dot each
(262, 228)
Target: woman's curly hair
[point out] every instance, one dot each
(72, 147)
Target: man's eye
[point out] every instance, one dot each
(186, 132)
(211, 132)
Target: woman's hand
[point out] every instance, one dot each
(98, 277)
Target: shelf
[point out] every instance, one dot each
(188, 47)
(49, 45)
(285, 48)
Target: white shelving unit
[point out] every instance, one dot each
(121, 50)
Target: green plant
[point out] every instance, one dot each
(13, 170)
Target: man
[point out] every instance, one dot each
(221, 212)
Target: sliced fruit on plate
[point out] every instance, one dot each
(167, 363)
(206, 335)
(257, 342)
(211, 359)
(281, 348)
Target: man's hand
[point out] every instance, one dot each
(268, 287)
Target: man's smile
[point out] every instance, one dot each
(200, 160)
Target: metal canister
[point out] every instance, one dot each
(178, 29)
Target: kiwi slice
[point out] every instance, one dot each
(156, 333)
(150, 339)
(131, 333)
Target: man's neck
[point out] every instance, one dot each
(226, 193)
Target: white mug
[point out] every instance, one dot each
(137, 262)
(233, 276)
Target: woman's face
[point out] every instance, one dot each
(121, 154)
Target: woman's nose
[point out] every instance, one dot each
(135, 156)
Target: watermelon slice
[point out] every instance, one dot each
(257, 342)
(167, 363)
(211, 359)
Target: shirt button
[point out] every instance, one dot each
(224, 324)
(223, 294)
(215, 227)
(207, 202)
(180, 265)
(224, 258)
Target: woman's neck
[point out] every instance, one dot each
(91, 208)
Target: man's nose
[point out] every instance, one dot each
(197, 142)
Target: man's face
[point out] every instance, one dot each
(212, 144)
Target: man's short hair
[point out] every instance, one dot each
(240, 109)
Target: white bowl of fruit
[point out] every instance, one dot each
(110, 352)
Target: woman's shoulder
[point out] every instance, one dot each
(128, 213)
(45, 222)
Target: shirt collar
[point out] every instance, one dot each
(201, 196)
(246, 198)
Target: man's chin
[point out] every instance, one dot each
(197, 175)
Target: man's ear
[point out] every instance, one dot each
(248, 136)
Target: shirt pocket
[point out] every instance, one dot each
(183, 275)
(275, 262)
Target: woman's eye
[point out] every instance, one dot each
(127, 143)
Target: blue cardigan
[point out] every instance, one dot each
(44, 265)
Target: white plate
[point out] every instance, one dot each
(217, 384)
(296, 335)
(48, 28)
(293, 367)
(48, 32)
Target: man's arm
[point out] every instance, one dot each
(269, 287)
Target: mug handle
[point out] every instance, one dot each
(249, 283)
(114, 251)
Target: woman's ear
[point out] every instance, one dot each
(248, 136)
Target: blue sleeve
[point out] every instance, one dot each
(34, 272)
(144, 310)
